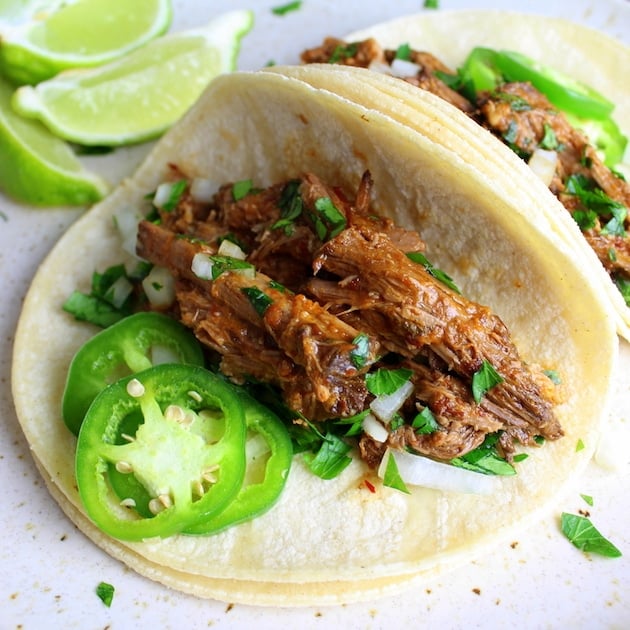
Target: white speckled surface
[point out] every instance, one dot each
(48, 570)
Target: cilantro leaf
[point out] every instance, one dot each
(384, 381)
(438, 274)
(403, 52)
(330, 459)
(361, 352)
(258, 299)
(105, 592)
(585, 536)
(392, 478)
(241, 189)
(286, 8)
(484, 379)
(425, 422)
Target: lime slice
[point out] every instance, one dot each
(82, 33)
(37, 167)
(139, 96)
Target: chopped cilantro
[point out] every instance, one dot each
(520, 457)
(330, 459)
(553, 376)
(221, 264)
(241, 189)
(329, 221)
(485, 459)
(549, 139)
(361, 352)
(425, 422)
(588, 499)
(431, 4)
(403, 52)
(585, 536)
(392, 478)
(384, 381)
(355, 422)
(258, 299)
(286, 8)
(484, 379)
(175, 194)
(105, 592)
(438, 274)
(343, 52)
(291, 206)
(109, 299)
(579, 446)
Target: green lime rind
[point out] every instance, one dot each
(137, 97)
(38, 168)
(84, 33)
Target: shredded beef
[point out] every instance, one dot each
(318, 285)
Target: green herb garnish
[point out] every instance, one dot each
(425, 422)
(330, 459)
(241, 189)
(585, 536)
(484, 379)
(286, 8)
(438, 274)
(105, 592)
(392, 478)
(485, 459)
(343, 52)
(175, 194)
(360, 354)
(329, 221)
(384, 382)
(403, 52)
(258, 299)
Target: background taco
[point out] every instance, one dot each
(587, 56)
(332, 542)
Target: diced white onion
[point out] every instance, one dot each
(374, 428)
(404, 68)
(380, 66)
(203, 190)
(159, 286)
(416, 470)
(385, 407)
(119, 291)
(162, 194)
(202, 266)
(163, 354)
(543, 162)
(126, 220)
(228, 248)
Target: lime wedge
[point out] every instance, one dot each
(37, 167)
(81, 33)
(138, 97)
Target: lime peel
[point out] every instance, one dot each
(83, 33)
(139, 96)
(38, 168)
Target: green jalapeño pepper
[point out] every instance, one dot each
(177, 433)
(564, 92)
(131, 345)
(269, 453)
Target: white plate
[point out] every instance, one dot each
(48, 570)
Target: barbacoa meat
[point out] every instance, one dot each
(326, 272)
(521, 116)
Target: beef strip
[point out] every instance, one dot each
(415, 314)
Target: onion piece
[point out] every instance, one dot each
(202, 266)
(417, 470)
(126, 221)
(159, 287)
(404, 68)
(380, 66)
(543, 162)
(162, 194)
(374, 428)
(203, 190)
(385, 406)
(231, 249)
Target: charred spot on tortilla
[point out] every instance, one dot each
(334, 293)
(522, 117)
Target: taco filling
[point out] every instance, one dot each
(546, 129)
(302, 288)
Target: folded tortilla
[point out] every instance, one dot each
(328, 542)
(583, 53)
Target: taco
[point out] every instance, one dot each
(502, 73)
(352, 537)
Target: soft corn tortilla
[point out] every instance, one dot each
(328, 542)
(579, 51)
